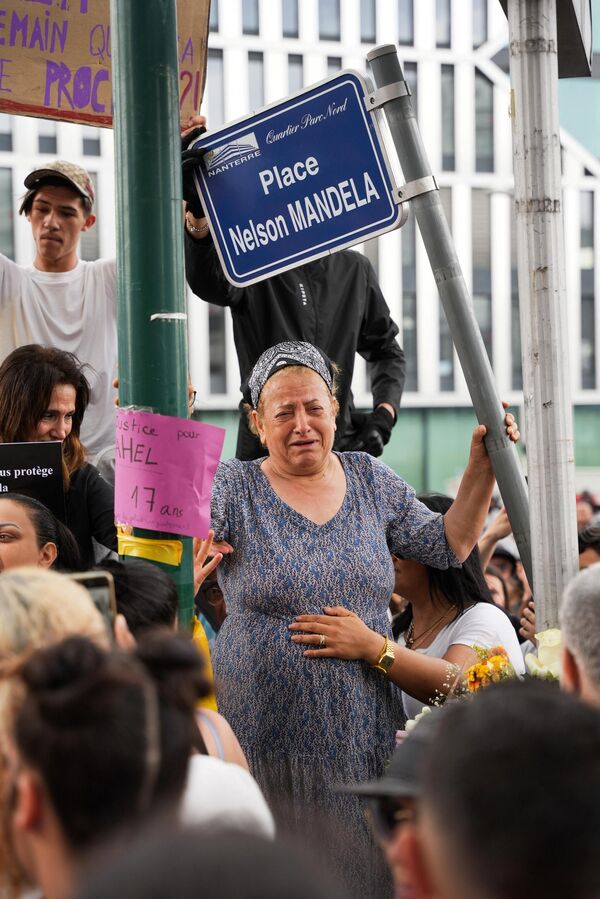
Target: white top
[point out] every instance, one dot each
(483, 624)
(224, 794)
(74, 311)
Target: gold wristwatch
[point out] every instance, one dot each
(386, 659)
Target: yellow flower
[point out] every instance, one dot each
(494, 666)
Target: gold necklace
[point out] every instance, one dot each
(409, 637)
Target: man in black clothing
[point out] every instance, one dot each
(334, 303)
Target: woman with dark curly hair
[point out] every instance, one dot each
(43, 396)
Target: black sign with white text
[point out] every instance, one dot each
(34, 469)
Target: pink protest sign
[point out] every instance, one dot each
(164, 469)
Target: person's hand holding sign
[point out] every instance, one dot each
(195, 218)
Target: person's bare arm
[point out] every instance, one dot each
(497, 530)
(232, 750)
(464, 520)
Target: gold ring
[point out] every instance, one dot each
(322, 641)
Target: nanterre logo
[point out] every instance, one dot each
(236, 152)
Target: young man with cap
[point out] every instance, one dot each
(60, 300)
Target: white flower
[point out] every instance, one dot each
(547, 661)
(412, 722)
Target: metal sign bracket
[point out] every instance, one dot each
(383, 95)
(414, 189)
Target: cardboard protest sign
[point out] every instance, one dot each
(55, 58)
(164, 469)
(34, 469)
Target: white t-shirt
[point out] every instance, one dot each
(221, 793)
(483, 624)
(74, 311)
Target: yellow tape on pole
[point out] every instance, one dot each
(166, 551)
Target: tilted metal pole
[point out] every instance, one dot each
(543, 301)
(427, 208)
(152, 353)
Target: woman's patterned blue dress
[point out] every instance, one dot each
(307, 725)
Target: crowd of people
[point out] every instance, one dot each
(341, 607)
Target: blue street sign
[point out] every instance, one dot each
(297, 180)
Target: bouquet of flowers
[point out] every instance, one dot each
(492, 666)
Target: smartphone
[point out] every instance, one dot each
(101, 587)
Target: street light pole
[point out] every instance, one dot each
(151, 292)
(542, 298)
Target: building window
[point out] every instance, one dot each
(329, 20)
(289, 18)
(368, 21)
(250, 17)
(516, 367)
(215, 88)
(480, 22)
(89, 245)
(47, 141)
(5, 132)
(443, 23)
(295, 73)
(334, 64)
(406, 22)
(217, 349)
(588, 313)
(446, 354)
(446, 344)
(90, 141)
(409, 302)
(588, 343)
(482, 269)
(7, 235)
(411, 78)
(213, 22)
(484, 123)
(515, 325)
(256, 81)
(448, 160)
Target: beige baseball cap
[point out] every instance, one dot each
(74, 175)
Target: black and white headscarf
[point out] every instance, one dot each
(290, 352)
